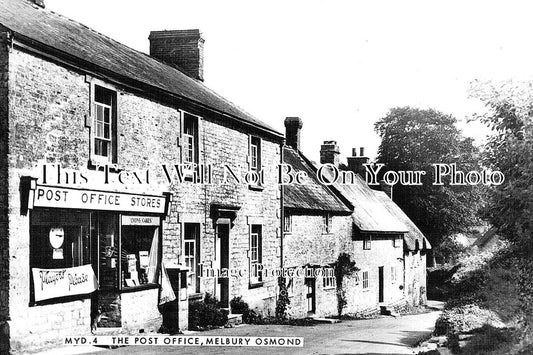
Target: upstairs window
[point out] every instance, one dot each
(255, 154)
(287, 223)
(190, 149)
(397, 241)
(104, 125)
(326, 223)
(367, 242)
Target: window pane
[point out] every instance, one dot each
(140, 248)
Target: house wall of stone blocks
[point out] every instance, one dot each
(47, 107)
(415, 277)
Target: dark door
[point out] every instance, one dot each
(310, 295)
(380, 275)
(223, 262)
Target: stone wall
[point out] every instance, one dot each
(48, 106)
(4, 222)
(415, 277)
(306, 244)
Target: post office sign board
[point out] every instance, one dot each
(60, 197)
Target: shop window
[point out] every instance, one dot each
(59, 240)
(256, 274)
(365, 280)
(191, 252)
(139, 255)
(287, 223)
(104, 126)
(367, 242)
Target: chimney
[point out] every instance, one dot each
(293, 126)
(355, 163)
(329, 153)
(386, 188)
(183, 49)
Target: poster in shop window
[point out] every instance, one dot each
(53, 283)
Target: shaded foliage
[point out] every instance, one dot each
(344, 266)
(207, 314)
(414, 139)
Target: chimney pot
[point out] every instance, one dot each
(355, 163)
(183, 49)
(293, 126)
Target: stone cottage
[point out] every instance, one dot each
(377, 236)
(415, 250)
(316, 229)
(120, 171)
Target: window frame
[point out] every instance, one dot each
(329, 282)
(91, 123)
(189, 167)
(327, 221)
(256, 279)
(195, 239)
(367, 242)
(365, 280)
(287, 227)
(397, 242)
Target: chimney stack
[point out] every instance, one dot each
(329, 153)
(386, 188)
(293, 126)
(355, 163)
(183, 49)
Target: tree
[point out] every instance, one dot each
(510, 150)
(414, 139)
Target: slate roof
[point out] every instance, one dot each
(414, 239)
(35, 26)
(313, 195)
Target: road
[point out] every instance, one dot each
(384, 335)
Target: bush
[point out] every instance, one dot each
(238, 306)
(207, 314)
(487, 339)
(464, 319)
(249, 316)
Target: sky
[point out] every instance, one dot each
(339, 65)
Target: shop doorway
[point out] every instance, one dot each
(222, 262)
